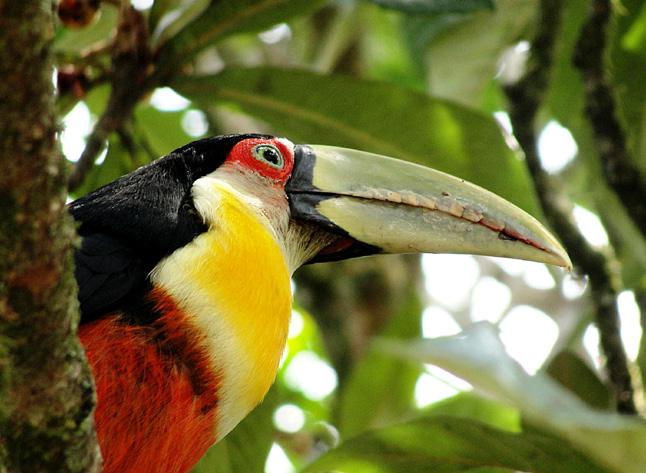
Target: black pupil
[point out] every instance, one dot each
(271, 156)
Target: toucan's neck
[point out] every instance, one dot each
(233, 283)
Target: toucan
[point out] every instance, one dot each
(184, 270)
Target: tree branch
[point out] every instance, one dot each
(46, 394)
(130, 60)
(619, 169)
(525, 98)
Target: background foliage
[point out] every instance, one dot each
(427, 81)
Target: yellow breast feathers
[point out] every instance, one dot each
(234, 282)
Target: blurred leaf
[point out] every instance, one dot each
(376, 117)
(246, 448)
(475, 407)
(420, 30)
(75, 41)
(478, 356)
(574, 374)
(449, 444)
(383, 49)
(97, 99)
(227, 17)
(565, 99)
(162, 130)
(380, 387)
(628, 82)
(168, 17)
(436, 6)
(635, 38)
(464, 57)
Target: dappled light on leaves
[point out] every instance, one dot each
(528, 335)
(77, 125)
(166, 99)
(311, 375)
(556, 147)
(631, 330)
(489, 300)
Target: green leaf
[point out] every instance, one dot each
(380, 388)
(450, 444)
(627, 66)
(168, 17)
(246, 448)
(372, 116)
(574, 374)
(224, 18)
(75, 41)
(475, 407)
(478, 356)
(162, 130)
(464, 56)
(436, 6)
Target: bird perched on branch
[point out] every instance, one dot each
(184, 274)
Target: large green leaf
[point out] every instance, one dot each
(226, 17)
(436, 6)
(372, 116)
(477, 355)
(246, 448)
(450, 444)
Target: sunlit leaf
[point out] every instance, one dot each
(223, 18)
(450, 444)
(436, 6)
(478, 356)
(373, 116)
(383, 48)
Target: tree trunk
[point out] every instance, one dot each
(46, 391)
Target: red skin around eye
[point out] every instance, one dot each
(242, 153)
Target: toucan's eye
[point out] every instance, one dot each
(269, 154)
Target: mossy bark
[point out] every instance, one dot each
(46, 393)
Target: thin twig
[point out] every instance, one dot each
(130, 60)
(525, 97)
(619, 169)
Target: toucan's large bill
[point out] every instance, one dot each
(386, 205)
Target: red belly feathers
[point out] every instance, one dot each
(156, 392)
